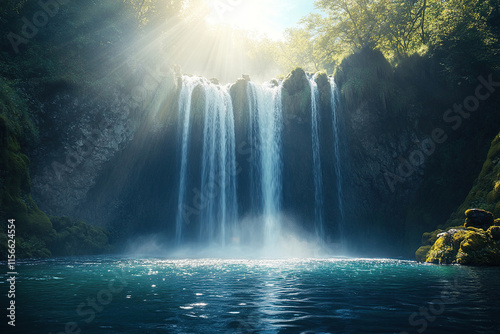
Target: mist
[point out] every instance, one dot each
(247, 242)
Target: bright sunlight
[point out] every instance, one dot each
(260, 17)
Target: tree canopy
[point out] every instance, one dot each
(397, 28)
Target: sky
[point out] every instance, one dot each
(263, 17)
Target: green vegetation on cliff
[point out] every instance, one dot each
(36, 235)
(474, 246)
(485, 193)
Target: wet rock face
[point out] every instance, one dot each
(478, 218)
(80, 136)
(495, 232)
(297, 97)
(298, 186)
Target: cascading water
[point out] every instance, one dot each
(217, 195)
(185, 97)
(338, 159)
(317, 171)
(220, 212)
(255, 188)
(267, 106)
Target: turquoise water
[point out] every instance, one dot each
(127, 295)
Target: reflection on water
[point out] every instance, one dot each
(117, 295)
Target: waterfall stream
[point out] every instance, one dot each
(338, 159)
(218, 183)
(317, 170)
(268, 108)
(185, 98)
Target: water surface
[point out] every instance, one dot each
(130, 295)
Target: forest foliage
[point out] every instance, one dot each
(464, 28)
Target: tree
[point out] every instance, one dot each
(465, 38)
(357, 23)
(156, 12)
(299, 50)
(405, 26)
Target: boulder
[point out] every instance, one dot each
(478, 218)
(471, 246)
(494, 232)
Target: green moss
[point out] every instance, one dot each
(485, 194)
(494, 233)
(15, 113)
(35, 234)
(77, 238)
(478, 248)
(366, 76)
(15, 198)
(441, 252)
(429, 238)
(421, 253)
(31, 247)
(471, 246)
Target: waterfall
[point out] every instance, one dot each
(218, 183)
(255, 188)
(188, 85)
(317, 171)
(267, 107)
(217, 199)
(208, 179)
(338, 158)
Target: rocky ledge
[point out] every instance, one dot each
(476, 243)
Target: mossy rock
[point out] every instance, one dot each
(421, 253)
(471, 246)
(441, 252)
(479, 249)
(494, 232)
(366, 76)
(429, 238)
(296, 95)
(478, 218)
